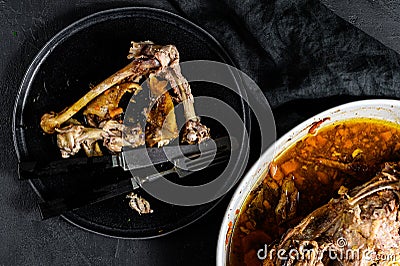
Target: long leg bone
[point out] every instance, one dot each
(147, 58)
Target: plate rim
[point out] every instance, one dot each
(59, 38)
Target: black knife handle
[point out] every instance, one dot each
(38, 169)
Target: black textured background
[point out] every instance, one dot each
(294, 50)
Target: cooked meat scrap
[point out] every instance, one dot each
(287, 205)
(118, 135)
(346, 231)
(72, 138)
(139, 204)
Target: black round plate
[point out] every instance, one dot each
(85, 53)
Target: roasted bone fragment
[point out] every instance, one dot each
(346, 231)
(72, 138)
(139, 204)
(150, 58)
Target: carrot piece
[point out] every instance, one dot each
(289, 166)
(348, 144)
(275, 172)
(272, 184)
(397, 147)
(266, 205)
(321, 140)
(386, 135)
(311, 141)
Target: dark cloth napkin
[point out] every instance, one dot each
(296, 51)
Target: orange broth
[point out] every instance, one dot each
(356, 141)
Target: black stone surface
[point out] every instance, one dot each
(297, 51)
(377, 18)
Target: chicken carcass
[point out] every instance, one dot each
(359, 228)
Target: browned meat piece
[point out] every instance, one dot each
(105, 106)
(161, 125)
(352, 230)
(195, 132)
